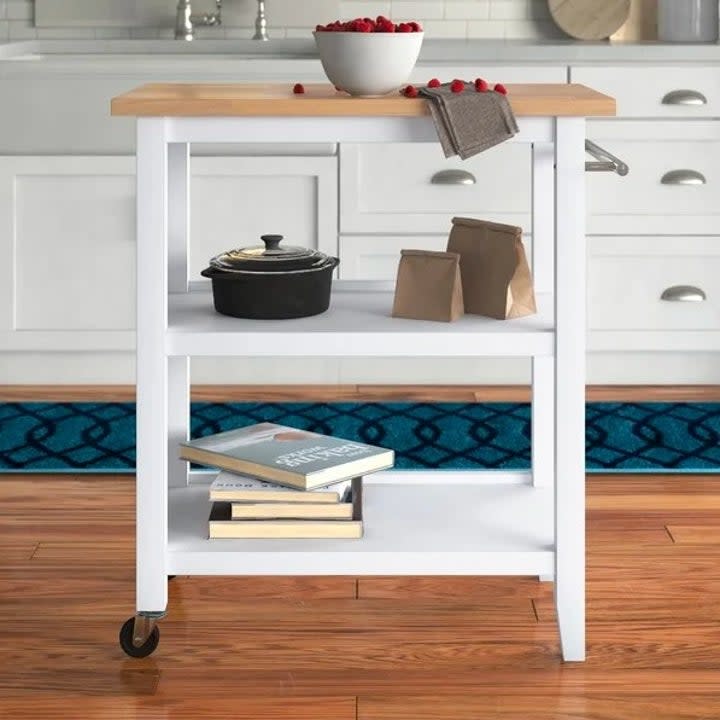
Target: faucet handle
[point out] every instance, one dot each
(261, 32)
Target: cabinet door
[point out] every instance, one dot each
(404, 188)
(67, 236)
(673, 184)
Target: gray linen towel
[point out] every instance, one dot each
(469, 122)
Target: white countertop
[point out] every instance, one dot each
(176, 53)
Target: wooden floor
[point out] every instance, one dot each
(371, 649)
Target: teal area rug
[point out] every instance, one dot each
(621, 437)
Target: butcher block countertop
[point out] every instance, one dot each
(258, 99)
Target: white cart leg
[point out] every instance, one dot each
(543, 368)
(178, 250)
(152, 367)
(570, 385)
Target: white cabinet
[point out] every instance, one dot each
(376, 257)
(655, 292)
(393, 188)
(67, 236)
(676, 91)
(674, 179)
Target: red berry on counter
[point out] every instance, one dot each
(457, 86)
(298, 88)
(500, 88)
(410, 91)
(434, 83)
(481, 85)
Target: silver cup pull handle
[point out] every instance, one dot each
(684, 97)
(683, 177)
(683, 293)
(453, 177)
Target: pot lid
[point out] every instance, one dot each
(269, 257)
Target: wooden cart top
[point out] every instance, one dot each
(264, 99)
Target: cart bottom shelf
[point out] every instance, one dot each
(409, 529)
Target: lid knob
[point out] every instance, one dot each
(271, 241)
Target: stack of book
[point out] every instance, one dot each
(281, 482)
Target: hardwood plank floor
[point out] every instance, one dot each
(359, 393)
(367, 648)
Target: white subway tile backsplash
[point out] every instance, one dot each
(467, 9)
(19, 10)
(361, 8)
(485, 29)
(66, 33)
(509, 10)
(287, 18)
(444, 28)
(21, 30)
(416, 10)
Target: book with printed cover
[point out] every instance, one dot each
(222, 522)
(234, 487)
(295, 458)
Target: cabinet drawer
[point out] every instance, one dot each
(377, 257)
(403, 188)
(673, 183)
(627, 278)
(690, 91)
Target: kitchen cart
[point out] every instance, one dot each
(420, 522)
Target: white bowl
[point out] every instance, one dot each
(368, 63)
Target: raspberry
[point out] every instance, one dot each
(434, 83)
(404, 28)
(339, 89)
(457, 86)
(410, 91)
(500, 88)
(383, 24)
(416, 27)
(319, 28)
(298, 88)
(481, 85)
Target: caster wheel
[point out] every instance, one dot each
(126, 643)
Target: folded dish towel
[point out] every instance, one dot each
(469, 122)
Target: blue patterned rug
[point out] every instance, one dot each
(621, 437)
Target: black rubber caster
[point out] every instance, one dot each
(126, 640)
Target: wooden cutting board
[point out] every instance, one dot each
(641, 25)
(589, 19)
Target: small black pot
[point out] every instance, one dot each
(273, 295)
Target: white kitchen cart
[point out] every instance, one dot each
(421, 522)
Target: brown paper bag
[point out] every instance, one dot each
(428, 286)
(495, 275)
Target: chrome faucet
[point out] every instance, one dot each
(185, 21)
(261, 32)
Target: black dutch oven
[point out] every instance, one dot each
(271, 282)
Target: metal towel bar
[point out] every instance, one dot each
(605, 161)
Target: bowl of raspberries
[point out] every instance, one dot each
(366, 56)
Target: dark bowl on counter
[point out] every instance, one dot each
(271, 282)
